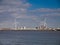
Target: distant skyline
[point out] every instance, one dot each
(29, 13)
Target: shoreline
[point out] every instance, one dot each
(29, 30)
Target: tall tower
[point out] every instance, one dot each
(15, 24)
(45, 24)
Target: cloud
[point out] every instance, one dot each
(7, 24)
(14, 7)
(51, 14)
(11, 9)
(46, 10)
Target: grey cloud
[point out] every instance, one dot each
(11, 7)
(42, 10)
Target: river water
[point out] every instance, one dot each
(29, 38)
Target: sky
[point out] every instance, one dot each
(29, 13)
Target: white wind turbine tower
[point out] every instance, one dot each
(45, 24)
(15, 22)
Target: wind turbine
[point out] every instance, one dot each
(15, 24)
(45, 24)
(16, 16)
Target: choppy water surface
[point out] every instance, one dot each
(29, 38)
